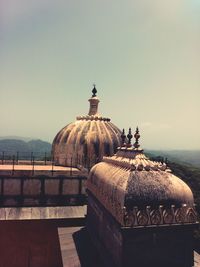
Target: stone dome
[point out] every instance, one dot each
(85, 141)
(129, 182)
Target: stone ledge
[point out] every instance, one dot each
(39, 213)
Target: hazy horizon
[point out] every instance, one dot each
(143, 56)
(28, 138)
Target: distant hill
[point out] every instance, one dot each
(26, 139)
(188, 157)
(39, 145)
(24, 149)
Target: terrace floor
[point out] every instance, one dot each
(77, 249)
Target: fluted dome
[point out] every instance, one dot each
(85, 141)
(129, 182)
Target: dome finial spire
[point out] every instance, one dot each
(137, 137)
(123, 137)
(94, 90)
(129, 136)
(94, 101)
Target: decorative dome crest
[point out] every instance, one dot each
(92, 117)
(93, 111)
(94, 91)
(132, 157)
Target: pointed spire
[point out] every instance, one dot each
(129, 136)
(94, 101)
(137, 137)
(123, 137)
(94, 91)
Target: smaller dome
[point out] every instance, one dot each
(85, 141)
(129, 180)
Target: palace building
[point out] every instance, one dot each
(100, 202)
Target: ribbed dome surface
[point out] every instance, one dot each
(85, 141)
(129, 179)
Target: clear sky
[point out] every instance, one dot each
(144, 57)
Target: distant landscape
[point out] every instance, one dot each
(191, 157)
(24, 149)
(24, 145)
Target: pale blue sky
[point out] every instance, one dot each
(144, 57)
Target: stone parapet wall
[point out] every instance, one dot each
(42, 190)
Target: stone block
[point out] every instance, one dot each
(12, 187)
(70, 187)
(32, 187)
(52, 187)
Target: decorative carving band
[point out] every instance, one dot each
(92, 117)
(161, 216)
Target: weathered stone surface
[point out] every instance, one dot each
(26, 170)
(196, 259)
(12, 187)
(2, 213)
(52, 187)
(122, 181)
(70, 187)
(31, 202)
(10, 202)
(32, 187)
(34, 213)
(29, 244)
(84, 186)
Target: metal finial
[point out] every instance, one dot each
(137, 137)
(129, 136)
(123, 137)
(94, 91)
